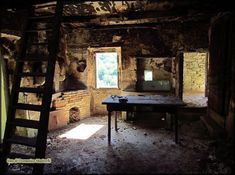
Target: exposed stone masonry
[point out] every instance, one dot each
(71, 99)
(194, 71)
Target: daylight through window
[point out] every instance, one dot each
(106, 70)
(148, 75)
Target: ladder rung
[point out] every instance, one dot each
(43, 5)
(28, 107)
(25, 123)
(22, 140)
(30, 74)
(41, 29)
(44, 17)
(33, 60)
(19, 155)
(37, 55)
(31, 90)
(41, 43)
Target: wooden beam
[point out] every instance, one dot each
(141, 24)
(82, 1)
(97, 44)
(180, 75)
(117, 27)
(129, 15)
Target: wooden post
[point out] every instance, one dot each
(116, 121)
(179, 75)
(139, 75)
(109, 127)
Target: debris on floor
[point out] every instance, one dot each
(144, 146)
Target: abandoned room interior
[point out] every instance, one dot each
(117, 87)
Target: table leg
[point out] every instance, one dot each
(171, 122)
(176, 128)
(116, 121)
(109, 126)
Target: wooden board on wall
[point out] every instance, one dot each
(179, 75)
(219, 64)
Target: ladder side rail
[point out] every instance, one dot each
(9, 130)
(47, 96)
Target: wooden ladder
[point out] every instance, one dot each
(51, 45)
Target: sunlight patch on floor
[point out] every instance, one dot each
(82, 131)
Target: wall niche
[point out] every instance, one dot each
(154, 74)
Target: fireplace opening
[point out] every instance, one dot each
(74, 115)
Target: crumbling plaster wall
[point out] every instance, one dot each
(161, 67)
(161, 41)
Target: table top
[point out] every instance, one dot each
(145, 100)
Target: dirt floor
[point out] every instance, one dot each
(141, 146)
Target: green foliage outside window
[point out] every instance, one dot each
(106, 70)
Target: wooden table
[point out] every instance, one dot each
(158, 103)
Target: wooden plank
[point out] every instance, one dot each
(31, 74)
(25, 123)
(19, 155)
(146, 100)
(40, 43)
(22, 140)
(33, 60)
(40, 29)
(43, 5)
(41, 18)
(219, 119)
(179, 75)
(47, 96)
(28, 107)
(140, 74)
(219, 64)
(130, 15)
(31, 90)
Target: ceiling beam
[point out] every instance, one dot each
(144, 23)
(126, 15)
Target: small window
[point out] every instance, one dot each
(106, 70)
(148, 75)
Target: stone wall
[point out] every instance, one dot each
(73, 99)
(194, 72)
(163, 72)
(98, 95)
(161, 41)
